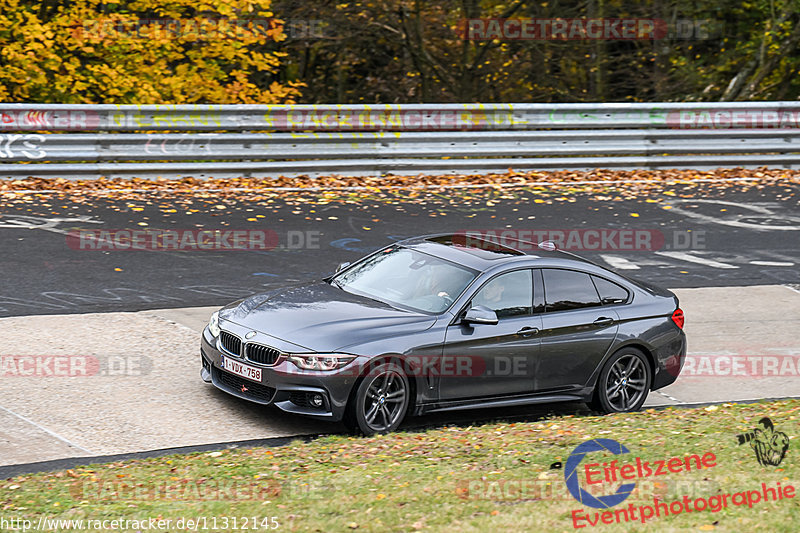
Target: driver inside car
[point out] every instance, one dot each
(491, 295)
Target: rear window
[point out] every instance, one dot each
(610, 292)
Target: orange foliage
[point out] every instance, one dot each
(142, 52)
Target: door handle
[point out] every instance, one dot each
(604, 321)
(528, 331)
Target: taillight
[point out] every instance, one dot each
(677, 317)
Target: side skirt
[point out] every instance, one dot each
(496, 402)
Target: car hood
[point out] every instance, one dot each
(321, 317)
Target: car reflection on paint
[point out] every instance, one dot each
(448, 322)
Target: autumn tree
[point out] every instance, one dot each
(141, 51)
(391, 51)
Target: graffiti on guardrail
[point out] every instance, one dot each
(16, 146)
(166, 119)
(367, 118)
(622, 136)
(324, 118)
(185, 144)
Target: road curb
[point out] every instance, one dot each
(9, 471)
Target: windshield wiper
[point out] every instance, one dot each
(336, 284)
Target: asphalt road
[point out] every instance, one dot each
(715, 237)
(724, 237)
(145, 394)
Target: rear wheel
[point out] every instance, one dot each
(380, 402)
(623, 384)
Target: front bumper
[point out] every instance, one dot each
(282, 385)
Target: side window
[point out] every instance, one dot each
(508, 294)
(568, 289)
(610, 292)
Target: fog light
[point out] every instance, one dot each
(316, 400)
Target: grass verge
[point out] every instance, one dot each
(493, 477)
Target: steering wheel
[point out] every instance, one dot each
(446, 297)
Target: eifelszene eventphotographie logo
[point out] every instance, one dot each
(622, 474)
(769, 445)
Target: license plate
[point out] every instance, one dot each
(246, 371)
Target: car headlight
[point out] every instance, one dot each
(324, 362)
(213, 324)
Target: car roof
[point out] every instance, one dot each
(481, 252)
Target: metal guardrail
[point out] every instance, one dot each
(81, 141)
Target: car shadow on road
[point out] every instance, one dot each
(471, 417)
(281, 423)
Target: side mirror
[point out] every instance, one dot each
(480, 314)
(342, 266)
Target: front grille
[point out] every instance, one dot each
(230, 342)
(246, 387)
(299, 398)
(262, 354)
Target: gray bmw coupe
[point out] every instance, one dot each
(447, 322)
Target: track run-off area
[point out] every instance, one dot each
(74, 286)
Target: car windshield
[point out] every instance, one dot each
(407, 278)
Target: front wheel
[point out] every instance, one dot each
(623, 384)
(380, 402)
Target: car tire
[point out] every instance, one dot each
(623, 384)
(380, 402)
